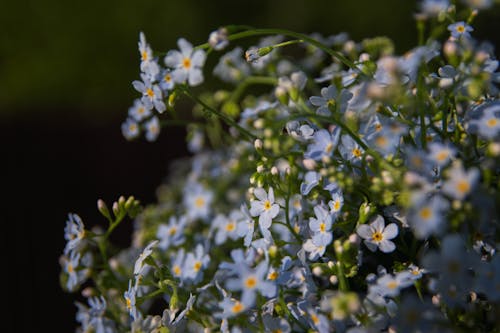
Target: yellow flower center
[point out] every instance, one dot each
(237, 307)
(250, 282)
(177, 270)
(442, 155)
(460, 28)
(172, 231)
(392, 285)
(186, 63)
(150, 92)
(492, 122)
(377, 236)
(129, 303)
(197, 266)
(267, 205)
(463, 186)
(315, 319)
(356, 152)
(273, 276)
(132, 127)
(329, 148)
(425, 213)
(378, 127)
(381, 141)
(199, 202)
(336, 205)
(70, 267)
(322, 227)
(168, 78)
(230, 227)
(140, 110)
(144, 56)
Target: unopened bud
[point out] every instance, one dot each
(260, 168)
(309, 164)
(101, 206)
(317, 271)
(258, 144)
(116, 208)
(274, 171)
(334, 279)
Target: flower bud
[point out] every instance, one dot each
(103, 209)
(258, 144)
(274, 171)
(317, 271)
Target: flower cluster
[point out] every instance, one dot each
(348, 189)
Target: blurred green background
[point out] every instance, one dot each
(81, 56)
(66, 69)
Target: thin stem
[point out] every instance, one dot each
(300, 36)
(251, 80)
(219, 114)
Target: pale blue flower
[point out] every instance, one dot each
(92, 319)
(378, 236)
(337, 202)
(152, 128)
(321, 226)
(197, 201)
(227, 226)
(187, 64)
(323, 145)
(130, 301)
(171, 234)
(460, 182)
(314, 248)
(74, 233)
(139, 263)
(459, 29)
(177, 264)
(311, 179)
(391, 285)
(265, 208)
(166, 81)
(195, 264)
(130, 129)
(139, 111)
(485, 120)
(331, 99)
(152, 95)
(231, 307)
(71, 268)
(251, 280)
(427, 215)
(350, 150)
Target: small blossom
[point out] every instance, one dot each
(377, 235)
(265, 209)
(324, 143)
(152, 128)
(330, 99)
(218, 39)
(129, 296)
(186, 64)
(139, 263)
(74, 232)
(460, 182)
(459, 29)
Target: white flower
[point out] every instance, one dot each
(186, 64)
(265, 209)
(377, 235)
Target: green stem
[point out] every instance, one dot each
(219, 114)
(300, 36)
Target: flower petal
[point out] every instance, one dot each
(364, 231)
(173, 59)
(390, 231)
(386, 246)
(260, 194)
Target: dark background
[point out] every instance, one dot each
(65, 87)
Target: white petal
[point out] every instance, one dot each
(185, 47)
(386, 246)
(198, 58)
(364, 231)
(173, 59)
(260, 194)
(265, 221)
(271, 195)
(195, 77)
(390, 231)
(378, 224)
(256, 208)
(179, 75)
(317, 101)
(275, 209)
